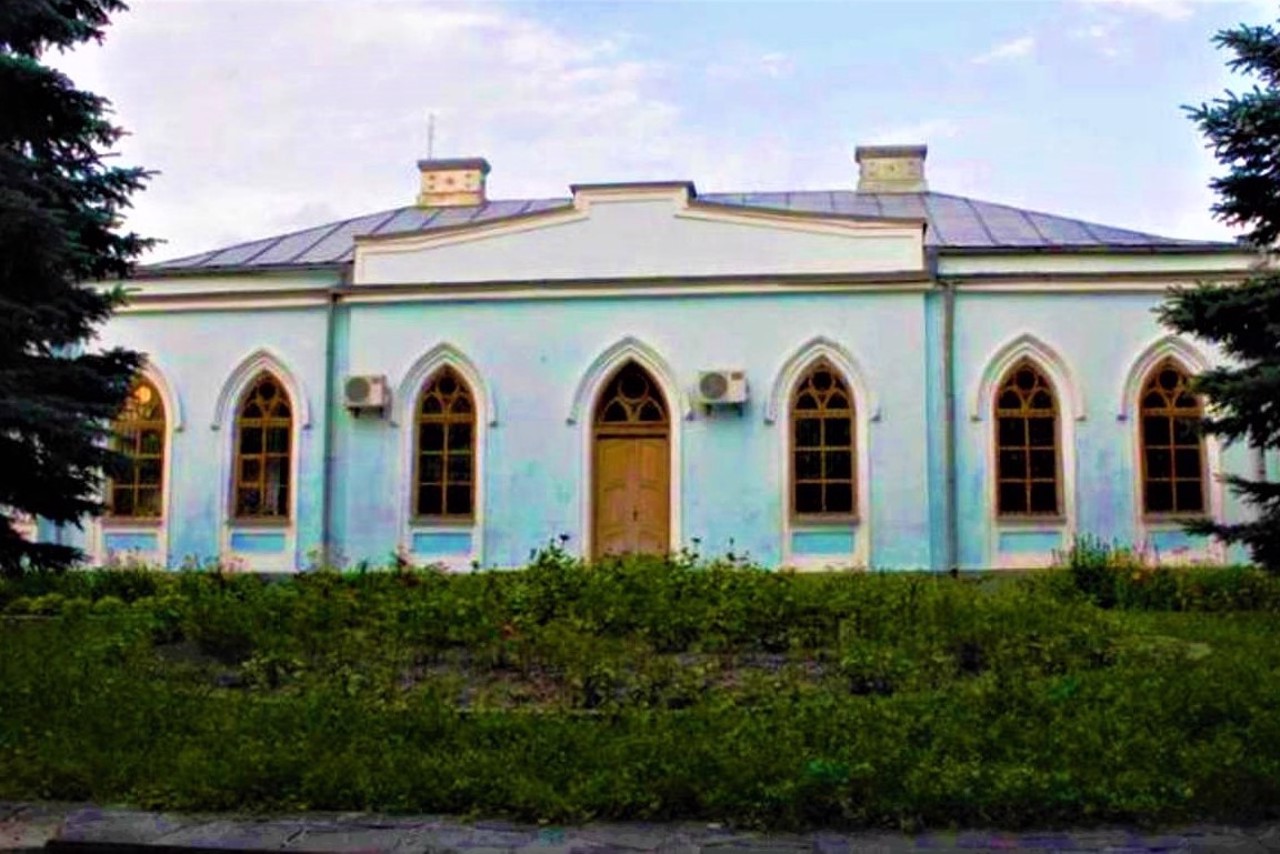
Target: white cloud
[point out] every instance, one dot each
(1012, 49)
(744, 64)
(261, 115)
(919, 132)
(1169, 10)
(1101, 37)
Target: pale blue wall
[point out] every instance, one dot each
(1099, 336)
(534, 353)
(197, 351)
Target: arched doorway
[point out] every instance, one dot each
(631, 466)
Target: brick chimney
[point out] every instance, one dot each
(456, 182)
(891, 168)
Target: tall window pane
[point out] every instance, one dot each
(822, 445)
(139, 434)
(445, 449)
(1172, 447)
(264, 446)
(1027, 460)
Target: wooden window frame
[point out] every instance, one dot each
(1150, 383)
(1025, 411)
(238, 456)
(798, 518)
(130, 424)
(633, 407)
(444, 418)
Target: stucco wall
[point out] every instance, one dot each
(533, 356)
(197, 352)
(1098, 338)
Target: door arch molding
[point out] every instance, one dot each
(630, 484)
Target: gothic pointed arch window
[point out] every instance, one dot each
(263, 451)
(822, 446)
(445, 450)
(1028, 456)
(1172, 445)
(139, 433)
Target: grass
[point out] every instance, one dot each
(651, 690)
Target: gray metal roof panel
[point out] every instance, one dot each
(336, 243)
(292, 246)
(237, 254)
(406, 219)
(954, 222)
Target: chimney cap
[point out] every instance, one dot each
(875, 152)
(440, 164)
(891, 168)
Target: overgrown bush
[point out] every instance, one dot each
(651, 689)
(1111, 575)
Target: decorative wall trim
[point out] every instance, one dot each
(1147, 532)
(866, 410)
(412, 380)
(260, 360)
(820, 347)
(614, 357)
(1071, 409)
(1191, 358)
(100, 527)
(403, 407)
(593, 381)
(1027, 346)
(238, 382)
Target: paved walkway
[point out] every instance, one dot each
(77, 827)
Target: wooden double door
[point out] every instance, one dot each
(631, 467)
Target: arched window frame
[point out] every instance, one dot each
(1191, 360)
(103, 529)
(413, 383)
(123, 428)
(1152, 385)
(1025, 411)
(449, 448)
(269, 545)
(804, 385)
(1058, 529)
(867, 411)
(271, 420)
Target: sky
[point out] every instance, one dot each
(270, 116)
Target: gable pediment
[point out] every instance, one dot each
(644, 231)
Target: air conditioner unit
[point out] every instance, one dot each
(717, 387)
(362, 393)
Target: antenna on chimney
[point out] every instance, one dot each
(431, 135)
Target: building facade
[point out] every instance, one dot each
(882, 377)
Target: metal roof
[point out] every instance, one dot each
(954, 223)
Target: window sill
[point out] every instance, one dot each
(826, 521)
(1173, 520)
(131, 521)
(1048, 520)
(450, 522)
(259, 523)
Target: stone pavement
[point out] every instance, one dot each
(84, 828)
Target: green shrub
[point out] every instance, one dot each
(654, 689)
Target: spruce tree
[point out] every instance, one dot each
(1243, 319)
(59, 237)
